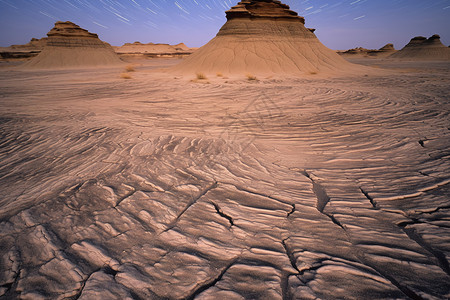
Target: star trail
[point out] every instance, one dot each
(339, 24)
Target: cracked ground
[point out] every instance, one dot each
(162, 188)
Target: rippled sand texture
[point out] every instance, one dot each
(160, 188)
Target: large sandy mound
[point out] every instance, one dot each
(263, 37)
(421, 48)
(69, 46)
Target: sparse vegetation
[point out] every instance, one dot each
(219, 74)
(125, 75)
(313, 73)
(130, 68)
(251, 77)
(201, 76)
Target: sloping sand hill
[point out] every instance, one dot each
(263, 37)
(69, 46)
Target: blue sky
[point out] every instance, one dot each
(340, 24)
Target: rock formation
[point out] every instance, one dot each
(33, 45)
(26, 51)
(421, 48)
(263, 37)
(387, 48)
(152, 50)
(70, 46)
(359, 52)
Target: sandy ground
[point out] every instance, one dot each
(162, 188)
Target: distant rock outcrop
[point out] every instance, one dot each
(421, 48)
(26, 51)
(388, 48)
(153, 50)
(33, 45)
(263, 37)
(384, 51)
(70, 46)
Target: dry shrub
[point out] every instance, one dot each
(251, 77)
(219, 74)
(130, 68)
(201, 76)
(125, 76)
(313, 73)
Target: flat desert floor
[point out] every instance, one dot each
(159, 187)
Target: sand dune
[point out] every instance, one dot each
(263, 37)
(69, 46)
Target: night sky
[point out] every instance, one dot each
(340, 24)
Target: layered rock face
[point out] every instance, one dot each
(263, 37)
(69, 45)
(263, 9)
(68, 34)
(421, 48)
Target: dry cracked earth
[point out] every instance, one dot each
(162, 188)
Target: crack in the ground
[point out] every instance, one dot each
(290, 255)
(404, 289)
(319, 191)
(292, 211)
(334, 220)
(257, 193)
(9, 286)
(371, 200)
(121, 199)
(222, 214)
(83, 284)
(212, 282)
(322, 198)
(192, 202)
(416, 237)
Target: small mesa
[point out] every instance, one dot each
(70, 46)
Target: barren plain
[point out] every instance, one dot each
(159, 187)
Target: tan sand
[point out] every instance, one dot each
(286, 188)
(69, 46)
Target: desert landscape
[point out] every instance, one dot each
(263, 165)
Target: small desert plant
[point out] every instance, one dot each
(219, 74)
(251, 77)
(201, 76)
(125, 75)
(313, 73)
(130, 68)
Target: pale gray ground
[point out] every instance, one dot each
(161, 188)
